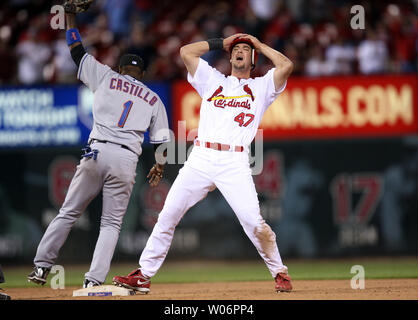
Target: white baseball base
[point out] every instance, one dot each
(103, 291)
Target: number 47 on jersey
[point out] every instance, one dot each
(244, 119)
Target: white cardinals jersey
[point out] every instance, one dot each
(232, 108)
(123, 108)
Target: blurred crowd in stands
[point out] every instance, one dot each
(315, 34)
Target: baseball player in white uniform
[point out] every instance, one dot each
(231, 110)
(123, 110)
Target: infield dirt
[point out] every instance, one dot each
(375, 289)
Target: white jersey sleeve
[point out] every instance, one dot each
(159, 131)
(270, 89)
(203, 77)
(92, 72)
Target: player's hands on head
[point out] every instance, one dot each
(155, 174)
(255, 41)
(228, 41)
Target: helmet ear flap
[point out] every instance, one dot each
(254, 58)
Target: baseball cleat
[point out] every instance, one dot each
(38, 275)
(90, 283)
(135, 281)
(4, 296)
(283, 282)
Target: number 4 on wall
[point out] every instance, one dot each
(343, 187)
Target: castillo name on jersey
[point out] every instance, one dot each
(132, 89)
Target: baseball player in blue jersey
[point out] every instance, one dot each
(123, 110)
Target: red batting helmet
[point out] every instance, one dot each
(254, 55)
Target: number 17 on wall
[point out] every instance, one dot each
(343, 189)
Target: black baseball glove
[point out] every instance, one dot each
(76, 6)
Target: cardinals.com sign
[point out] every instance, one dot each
(332, 107)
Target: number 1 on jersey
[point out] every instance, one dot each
(126, 108)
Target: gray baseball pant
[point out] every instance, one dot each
(114, 172)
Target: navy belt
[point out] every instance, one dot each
(104, 141)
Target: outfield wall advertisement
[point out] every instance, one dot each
(335, 107)
(51, 116)
(329, 108)
(39, 117)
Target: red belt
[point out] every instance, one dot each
(219, 146)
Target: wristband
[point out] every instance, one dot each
(73, 36)
(216, 44)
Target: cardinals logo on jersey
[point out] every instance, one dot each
(217, 91)
(221, 101)
(248, 90)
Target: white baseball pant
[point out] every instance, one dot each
(205, 170)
